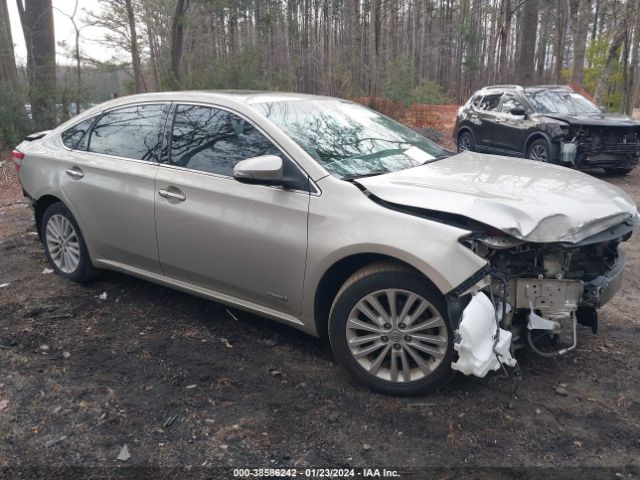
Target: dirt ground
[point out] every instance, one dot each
(185, 382)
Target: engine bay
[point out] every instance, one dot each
(543, 291)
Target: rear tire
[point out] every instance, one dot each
(64, 245)
(465, 142)
(617, 171)
(388, 328)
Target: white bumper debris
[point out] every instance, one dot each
(476, 331)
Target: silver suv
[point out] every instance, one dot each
(332, 218)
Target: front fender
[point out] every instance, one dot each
(344, 222)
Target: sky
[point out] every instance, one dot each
(64, 31)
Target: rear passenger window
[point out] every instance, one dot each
(72, 136)
(214, 140)
(476, 101)
(490, 102)
(129, 132)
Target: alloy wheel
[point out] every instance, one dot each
(397, 335)
(538, 153)
(63, 243)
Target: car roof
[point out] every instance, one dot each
(235, 96)
(228, 98)
(240, 99)
(538, 88)
(534, 88)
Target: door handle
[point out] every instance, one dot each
(181, 197)
(74, 172)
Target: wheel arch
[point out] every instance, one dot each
(538, 135)
(47, 199)
(334, 277)
(462, 129)
(40, 206)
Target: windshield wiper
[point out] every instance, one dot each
(355, 176)
(435, 159)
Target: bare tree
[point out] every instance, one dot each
(527, 50)
(118, 18)
(402, 49)
(36, 17)
(135, 52)
(506, 14)
(177, 39)
(76, 52)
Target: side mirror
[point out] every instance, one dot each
(519, 111)
(265, 169)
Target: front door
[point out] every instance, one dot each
(247, 241)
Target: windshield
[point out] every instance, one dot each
(350, 140)
(549, 101)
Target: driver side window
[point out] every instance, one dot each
(509, 102)
(214, 140)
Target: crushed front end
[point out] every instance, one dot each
(601, 147)
(539, 292)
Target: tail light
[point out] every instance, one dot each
(17, 157)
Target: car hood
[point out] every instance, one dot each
(529, 200)
(595, 119)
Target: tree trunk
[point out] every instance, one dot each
(8, 73)
(603, 80)
(633, 77)
(373, 46)
(36, 17)
(528, 32)
(561, 25)
(543, 42)
(505, 28)
(581, 14)
(177, 40)
(78, 71)
(135, 53)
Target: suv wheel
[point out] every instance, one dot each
(539, 150)
(64, 245)
(388, 328)
(465, 142)
(617, 171)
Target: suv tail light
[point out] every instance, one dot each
(17, 157)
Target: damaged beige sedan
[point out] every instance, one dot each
(334, 219)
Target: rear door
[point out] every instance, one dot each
(246, 241)
(488, 122)
(110, 181)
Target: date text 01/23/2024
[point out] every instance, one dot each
(315, 473)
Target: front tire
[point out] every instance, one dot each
(64, 245)
(388, 328)
(539, 151)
